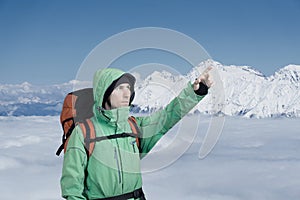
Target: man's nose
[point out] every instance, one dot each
(126, 92)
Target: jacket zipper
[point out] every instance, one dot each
(118, 164)
(133, 146)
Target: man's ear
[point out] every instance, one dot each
(107, 104)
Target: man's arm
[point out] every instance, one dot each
(156, 125)
(73, 173)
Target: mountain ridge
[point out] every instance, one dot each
(247, 93)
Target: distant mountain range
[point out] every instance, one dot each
(238, 91)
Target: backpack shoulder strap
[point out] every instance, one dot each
(135, 129)
(89, 134)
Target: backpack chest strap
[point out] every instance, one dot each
(90, 138)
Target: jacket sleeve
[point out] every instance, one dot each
(74, 165)
(153, 127)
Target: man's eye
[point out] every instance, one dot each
(123, 87)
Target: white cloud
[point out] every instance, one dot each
(8, 163)
(254, 159)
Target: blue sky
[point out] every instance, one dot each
(45, 42)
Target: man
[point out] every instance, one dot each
(113, 170)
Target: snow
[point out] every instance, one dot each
(253, 159)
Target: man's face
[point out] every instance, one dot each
(120, 96)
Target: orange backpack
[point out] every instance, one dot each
(78, 109)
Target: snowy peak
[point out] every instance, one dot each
(291, 67)
(162, 77)
(289, 73)
(157, 90)
(237, 71)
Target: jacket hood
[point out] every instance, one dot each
(102, 80)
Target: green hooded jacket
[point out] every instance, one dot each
(114, 166)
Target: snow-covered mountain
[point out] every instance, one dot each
(251, 94)
(238, 90)
(27, 99)
(246, 91)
